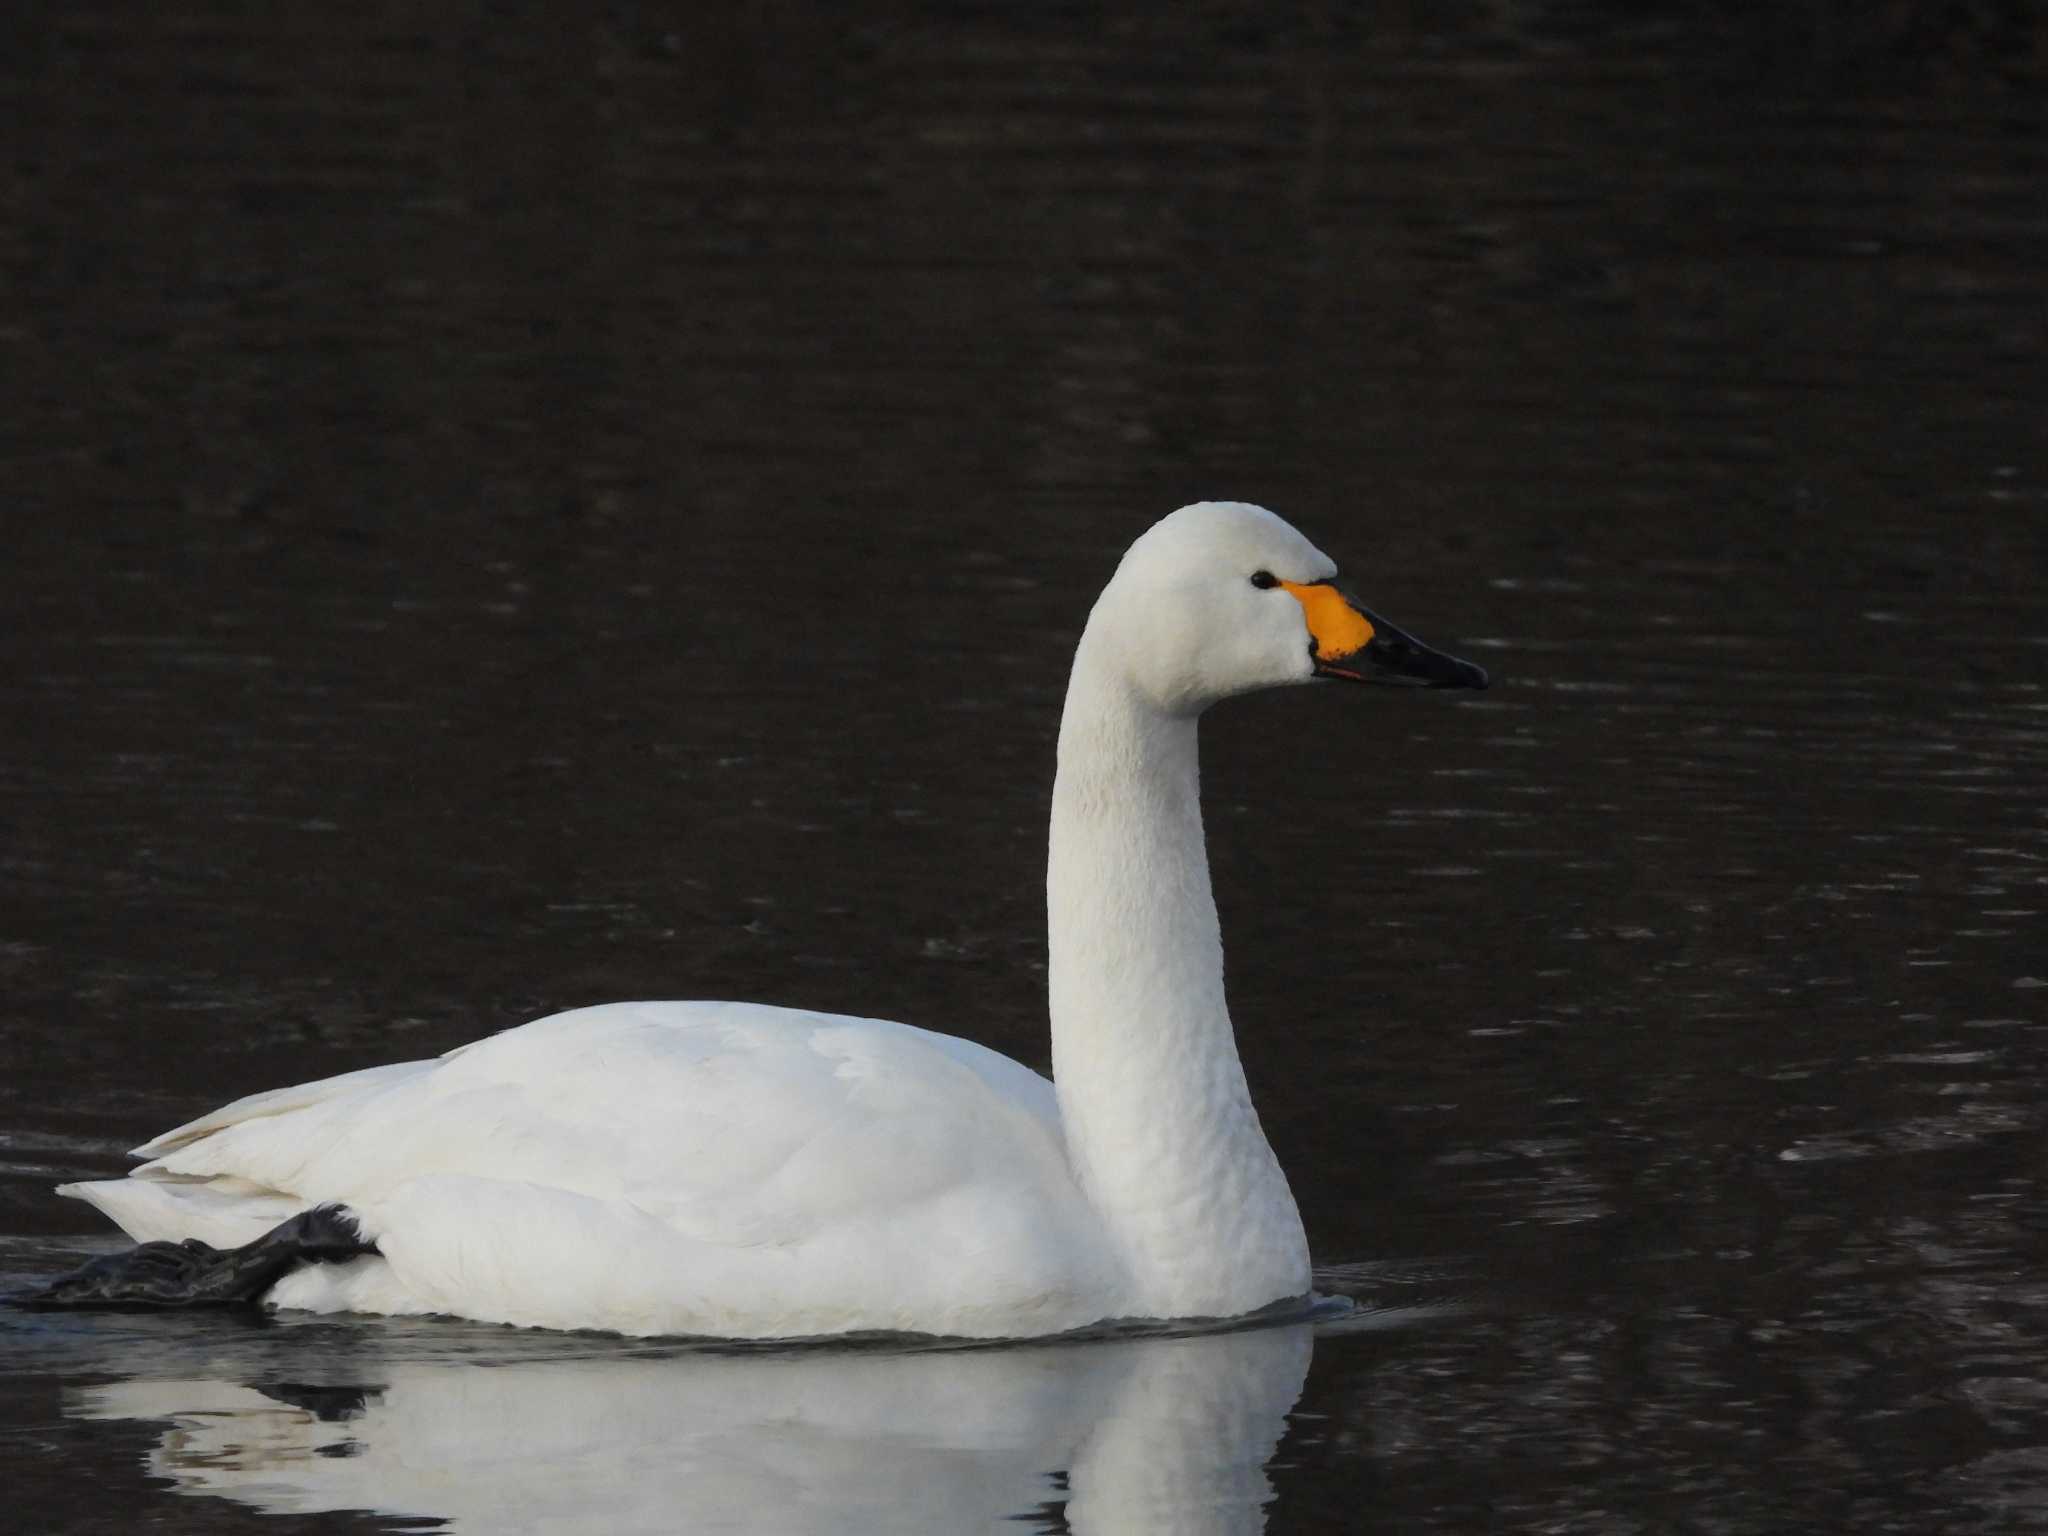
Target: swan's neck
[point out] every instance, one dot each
(1158, 1120)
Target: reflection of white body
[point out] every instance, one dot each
(736, 1170)
(1167, 1435)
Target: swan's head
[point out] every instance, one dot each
(1222, 598)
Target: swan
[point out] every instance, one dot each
(738, 1170)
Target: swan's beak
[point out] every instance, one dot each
(1356, 644)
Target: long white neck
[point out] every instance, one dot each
(1159, 1122)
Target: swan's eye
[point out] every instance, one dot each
(1264, 579)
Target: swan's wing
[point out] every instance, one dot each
(731, 1124)
(223, 1206)
(279, 1101)
(709, 1168)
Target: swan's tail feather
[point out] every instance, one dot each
(221, 1212)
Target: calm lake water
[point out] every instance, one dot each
(553, 509)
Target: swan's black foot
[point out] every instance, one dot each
(194, 1274)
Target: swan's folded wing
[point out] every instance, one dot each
(202, 1194)
(279, 1101)
(733, 1124)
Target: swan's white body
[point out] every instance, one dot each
(738, 1170)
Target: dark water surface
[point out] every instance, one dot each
(542, 511)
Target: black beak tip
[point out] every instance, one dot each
(1468, 676)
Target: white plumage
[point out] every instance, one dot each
(738, 1170)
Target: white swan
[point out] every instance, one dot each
(738, 1170)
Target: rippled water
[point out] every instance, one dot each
(550, 510)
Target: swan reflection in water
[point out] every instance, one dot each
(1155, 1433)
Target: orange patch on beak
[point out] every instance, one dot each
(1339, 629)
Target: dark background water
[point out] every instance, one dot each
(532, 505)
